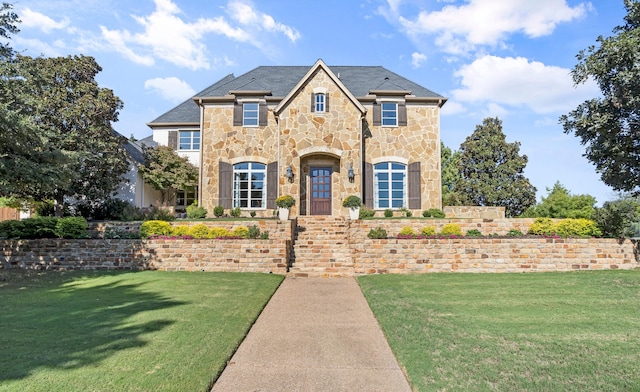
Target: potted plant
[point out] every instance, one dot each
(353, 203)
(284, 204)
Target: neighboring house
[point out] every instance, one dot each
(317, 133)
(134, 189)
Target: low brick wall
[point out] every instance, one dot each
(403, 256)
(267, 256)
(474, 212)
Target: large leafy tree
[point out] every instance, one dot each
(450, 174)
(492, 171)
(609, 126)
(560, 203)
(167, 172)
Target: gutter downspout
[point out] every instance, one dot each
(201, 153)
(277, 118)
(362, 160)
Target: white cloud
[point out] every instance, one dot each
(417, 59)
(452, 107)
(168, 36)
(36, 47)
(520, 82)
(33, 19)
(461, 28)
(171, 88)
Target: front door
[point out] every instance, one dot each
(320, 200)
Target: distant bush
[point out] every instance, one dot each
(30, 228)
(451, 229)
(616, 219)
(474, 233)
(194, 211)
(577, 228)
(160, 214)
(542, 226)
(433, 213)
(71, 227)
(377, 233)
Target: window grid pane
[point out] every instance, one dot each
(389, 185)
(249, 189)
(250, 114)
(320, 103)
(189, 140)
(389, 114)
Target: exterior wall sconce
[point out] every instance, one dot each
(289, 173)
(350, 174)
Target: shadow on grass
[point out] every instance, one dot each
(71, 320)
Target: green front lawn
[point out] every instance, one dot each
(512, 332)
(136, 331)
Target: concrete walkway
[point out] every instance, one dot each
(316, 334)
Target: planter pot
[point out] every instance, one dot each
(354, 213)
(283, 213)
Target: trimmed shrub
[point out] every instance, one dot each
(514, 233)
(240, 231)
(428, 231)
(388, 213)
(433, 213)
(377, 233)
(407, 231)
(252, 214)
(180, 230)
(194, 211)
(577, 228)
(542, 226)
(71, 227)
(159, 214)
(366, 213)
(451, 229)
(218, 211)
(235, 212)
(199, 231)
(219, 232)
(253, 232)
(30, 228)
(154, 227)
(474, 233)
(264, 235)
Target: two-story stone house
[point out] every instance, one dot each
(318, 133)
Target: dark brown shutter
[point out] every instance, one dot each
(326, 102)
(225, 186)
(262, 114)
(377, 115)
(368, 185)
(173, 139)
(402, 114)
(237, 114)
(414, 185)
(313, 102)
(272, 184)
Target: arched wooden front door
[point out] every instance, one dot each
(320, 189)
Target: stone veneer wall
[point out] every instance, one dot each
(474, 212)
(267, 256)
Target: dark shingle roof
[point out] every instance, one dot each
(280, 80)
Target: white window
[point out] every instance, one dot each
(389, 185)
(189, 140)
(389, 114)
(250, 114)
(249, 185)
(320, 103)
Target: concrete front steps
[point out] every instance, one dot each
(321, 247)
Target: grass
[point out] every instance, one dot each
(136, 331)
(512, 332)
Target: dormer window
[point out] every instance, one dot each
(319, 102)
(389, 114)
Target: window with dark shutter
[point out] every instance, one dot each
(414, 185)
(377, 114)
(272, 184)
(225, 185)
(173, 140)
(262, 121)
(326, 102)
(368, 185)
(402, 114)
(313, 102)
(237, 114)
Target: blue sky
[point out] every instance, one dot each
(504, 58)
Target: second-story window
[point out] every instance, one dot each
(189, 140)
(320, 103)
(389, 114)
(250, 114)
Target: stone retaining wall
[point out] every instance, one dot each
(268, 256)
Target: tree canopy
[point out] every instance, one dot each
(609, 125)
(56, 138)
(167, 172)
(450, 174)
(491, 171)
(560, 203)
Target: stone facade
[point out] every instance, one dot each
(347, 136)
